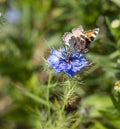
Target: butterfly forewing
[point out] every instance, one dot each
(91, 34)
(78, 31)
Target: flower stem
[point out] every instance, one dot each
(48, 94)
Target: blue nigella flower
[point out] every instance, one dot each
(12, 15)
(68, 63)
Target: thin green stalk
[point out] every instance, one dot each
(77, 122)
(68, 91)
(48, 94)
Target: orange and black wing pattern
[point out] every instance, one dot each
(90, 36)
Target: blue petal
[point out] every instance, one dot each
(53, 60)
(58, 54)
(70, 73)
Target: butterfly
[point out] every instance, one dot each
(78, 39)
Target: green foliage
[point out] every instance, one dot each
(31, 95)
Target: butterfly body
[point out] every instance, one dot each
(78, 39)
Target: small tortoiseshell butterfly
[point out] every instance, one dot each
(79, 40)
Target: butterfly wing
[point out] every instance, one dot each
(78, 31)
(90, 36)
(68, 38)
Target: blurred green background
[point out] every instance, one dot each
(28, 30)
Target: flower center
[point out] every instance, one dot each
(68, 60)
